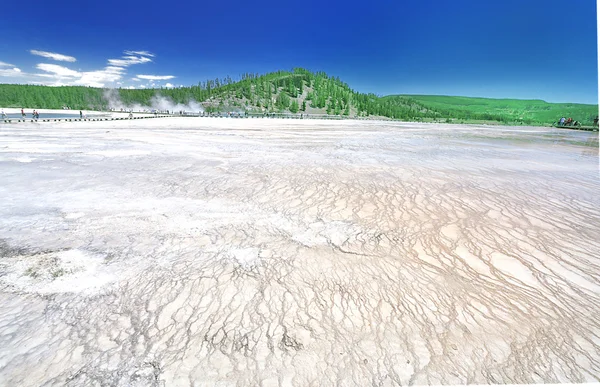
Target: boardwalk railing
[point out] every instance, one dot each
(276, 115)
(11, 120)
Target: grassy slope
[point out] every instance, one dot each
(537, 111)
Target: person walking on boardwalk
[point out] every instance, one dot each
(80, 114)
(3, 115)
(22, 113)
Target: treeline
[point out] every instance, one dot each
(420, 110)
(33, 96)
(278, 91)
(506, 110)
(298, 90)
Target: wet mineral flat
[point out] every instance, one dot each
(193, 252)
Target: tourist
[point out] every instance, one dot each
(80, 114)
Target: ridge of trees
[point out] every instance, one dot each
(296, 91)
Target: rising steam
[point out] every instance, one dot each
(157, 102)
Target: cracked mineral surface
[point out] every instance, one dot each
(201, 252)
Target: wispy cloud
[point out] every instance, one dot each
(113, 74)
(169, 85)
(53, 56)
(14, 72)
(100, 78)
(128, 60)
(155, 77)
(59, 75)
(142, 53)
(58, 70)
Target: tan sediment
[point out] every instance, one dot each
(282, 252)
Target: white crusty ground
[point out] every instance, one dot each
(201, 252)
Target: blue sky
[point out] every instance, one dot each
(545, 49)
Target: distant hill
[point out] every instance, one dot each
(531, 111)
(296, 91)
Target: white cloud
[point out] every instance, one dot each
(100, 78)
(53, 55)
(142, 86)
(156, 77)
(142, 53)
(14, 72)
(132, 58)
(62, 75)
(59, 71)
(129, 60)
(113, 74)
(131, 87)
(169, 85)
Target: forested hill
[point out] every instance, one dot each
(295, 91)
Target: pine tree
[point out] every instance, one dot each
(283, 101)
(294, 106)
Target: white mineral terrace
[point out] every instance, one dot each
(257, 252)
